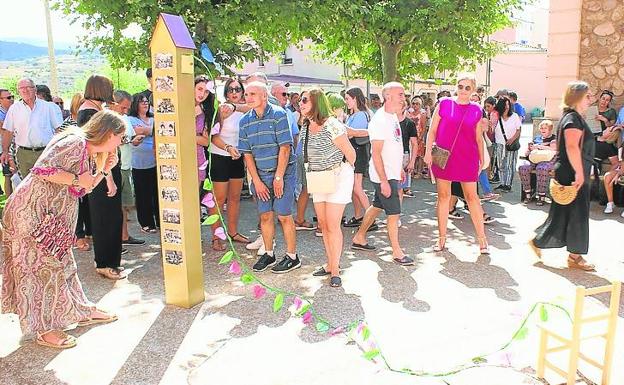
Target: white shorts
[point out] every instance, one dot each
(344, 189)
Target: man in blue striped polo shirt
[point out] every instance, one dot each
(266, 143)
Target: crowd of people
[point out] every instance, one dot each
(83, 171)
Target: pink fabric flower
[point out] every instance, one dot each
(307, 317)
(204, 166)
(208, 200)
(297, 302)
(259, 291)
(360, 328)
(336, 331)
(220, 233)
(235, 268)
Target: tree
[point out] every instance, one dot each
(236, 31)
(378, 40)
(403, 39)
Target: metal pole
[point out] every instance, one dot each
(54, 88)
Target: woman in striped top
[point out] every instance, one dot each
(327, 147)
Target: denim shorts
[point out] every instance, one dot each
(282, 206)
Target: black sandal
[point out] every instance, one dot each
(239, 238)
(335, 281)
(321, 272)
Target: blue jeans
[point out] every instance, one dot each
(485, 183)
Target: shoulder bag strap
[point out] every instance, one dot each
(458, 131)
(500, 122)
(305, 144)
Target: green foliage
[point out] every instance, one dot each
(132, 81)
(10, 83)
(377, 40)
(403, 39)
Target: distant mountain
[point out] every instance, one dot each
(19, 51)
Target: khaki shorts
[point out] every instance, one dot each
(127, 190)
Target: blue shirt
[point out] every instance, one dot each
(262, 137)
(143, 155)
(518, 109)
(620, 117)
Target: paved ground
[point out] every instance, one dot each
(450, 307)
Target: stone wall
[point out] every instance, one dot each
(602, 47)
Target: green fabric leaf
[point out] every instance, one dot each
(278, 302)
(207, 185)
(303, 309)
(371, 354)
(227, 257)
(247, 278)
(365, 333)
(211, 219)
(322, 326)
(543, 313)
(479, 360)
(521, 334)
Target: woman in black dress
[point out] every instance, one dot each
(568, 225)
(105, 199)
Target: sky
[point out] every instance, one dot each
(24, 20)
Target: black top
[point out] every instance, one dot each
(408, 130)
(564, 170)
(84, 116)
(551, 138)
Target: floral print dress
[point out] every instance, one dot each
(40, 282)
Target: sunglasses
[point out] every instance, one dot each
(10, 97)
(462, 87)
(304, 100)
(125, 139)
(232, 90)
(144, 101)
(58, 103)
(284, 94)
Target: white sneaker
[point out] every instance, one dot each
(255, 245)
(609, 208)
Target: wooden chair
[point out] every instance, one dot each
(573, 339)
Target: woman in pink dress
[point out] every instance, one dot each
(456, 126)
(40, 281)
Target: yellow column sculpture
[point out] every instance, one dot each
(178, 187)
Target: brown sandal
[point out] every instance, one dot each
(110, 273)
(217, 245)
(65, 341)
(82, 244)
(93, 321)
(240, 238)
(580, 263)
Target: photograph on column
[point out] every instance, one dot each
(165, 106)
(167, 128)
(172, 236)
(169, 172)
(167, 151)
(164, 83)
(173, 257)
(170, 194)
(171, 216)
(164, 60)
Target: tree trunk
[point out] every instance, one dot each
(389, 59)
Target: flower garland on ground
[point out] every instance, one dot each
(357, 331)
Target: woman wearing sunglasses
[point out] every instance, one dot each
(456, 126)
(327, 147)
(227, 169)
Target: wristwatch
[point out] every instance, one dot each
(75, 181)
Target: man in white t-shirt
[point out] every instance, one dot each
(386, 170)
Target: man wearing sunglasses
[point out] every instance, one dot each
(33, 122)
(6, 101)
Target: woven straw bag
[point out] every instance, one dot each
(564, 195)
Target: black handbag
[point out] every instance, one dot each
(515, 145)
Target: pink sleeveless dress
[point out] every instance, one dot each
(463, 163)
